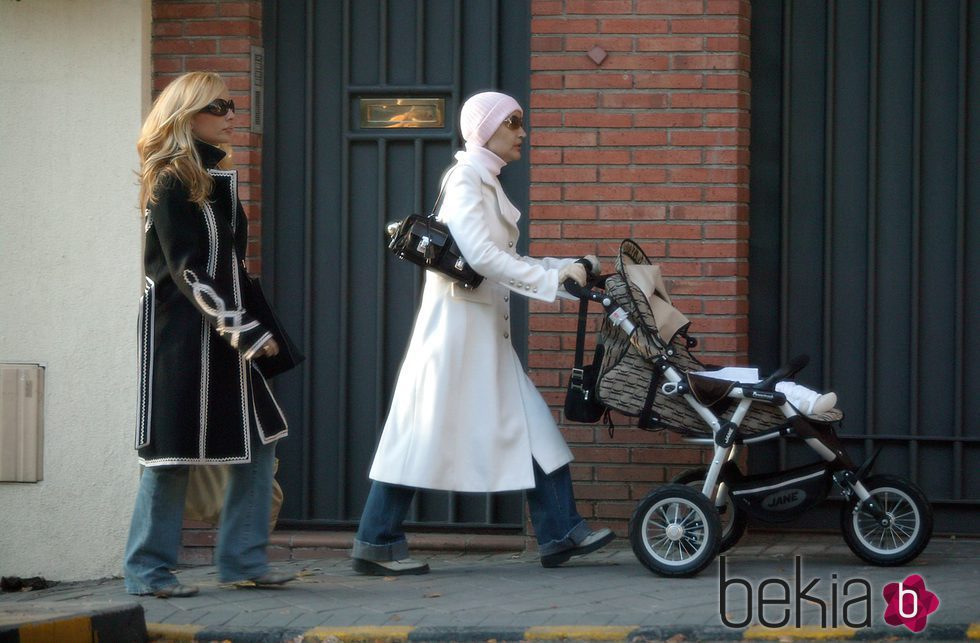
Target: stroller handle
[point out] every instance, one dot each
(586, 293)
(791, 368)
(572, 288)
(583, 292)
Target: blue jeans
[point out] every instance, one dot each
(154, 533)
(557, 524)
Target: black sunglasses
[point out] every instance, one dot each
(218, 107)
(514, 122)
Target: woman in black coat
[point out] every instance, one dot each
(203, 399)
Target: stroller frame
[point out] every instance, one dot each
(676, 529)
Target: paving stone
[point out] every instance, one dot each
(489, 590)
(244, 619)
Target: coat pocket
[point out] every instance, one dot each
(145, 325)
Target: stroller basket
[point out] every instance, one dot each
(629, 380)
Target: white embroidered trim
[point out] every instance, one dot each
(226, 322)
(162, 462)
(212, 226)
(250, 353)
(282, 416)
(233, 184)
(242, 372)
(205, 380)
(232, 176)
(146, 326)
(205, 334)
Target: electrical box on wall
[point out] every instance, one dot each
(21, 422)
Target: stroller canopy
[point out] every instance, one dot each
(650, 281)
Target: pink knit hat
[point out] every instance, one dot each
(483, 113)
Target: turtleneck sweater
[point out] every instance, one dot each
(486, 158)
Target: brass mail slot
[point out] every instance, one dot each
(403, 112)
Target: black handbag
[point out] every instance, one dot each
(581, 402)
(289, 355)
(427, 242)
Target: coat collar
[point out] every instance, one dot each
(465, 158)
(486, 158)
(210, 155)
(508, 212)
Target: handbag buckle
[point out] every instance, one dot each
(578, 376)
(460, 264)
(427, 249)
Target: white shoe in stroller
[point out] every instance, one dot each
(808, 402)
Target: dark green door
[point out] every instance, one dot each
(334, 173)
(865, 247)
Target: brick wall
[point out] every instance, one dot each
(649, 143)
(216, 36)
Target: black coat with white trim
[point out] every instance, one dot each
(201, 397)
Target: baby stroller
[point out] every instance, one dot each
(643, 368)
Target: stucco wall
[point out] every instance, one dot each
(73, 88)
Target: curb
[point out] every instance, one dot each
(393, 633)
(55, 621)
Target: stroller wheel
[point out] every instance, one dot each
(675, 531)
(733, 521)
(909, 522)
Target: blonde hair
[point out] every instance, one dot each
(166, 144)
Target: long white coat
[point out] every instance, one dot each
(465, 416)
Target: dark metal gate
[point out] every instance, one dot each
(361, 103)
(865, 248)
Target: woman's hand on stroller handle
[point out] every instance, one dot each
(593, 264)
(576, 271)
(581, 289)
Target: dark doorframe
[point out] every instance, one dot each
(329, 187)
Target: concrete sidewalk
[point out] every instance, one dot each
(605, 596)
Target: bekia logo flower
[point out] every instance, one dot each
(909, 603)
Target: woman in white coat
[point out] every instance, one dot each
(465, 416)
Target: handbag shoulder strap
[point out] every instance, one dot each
(583, 310)
(442, 189)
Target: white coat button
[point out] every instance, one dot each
(506, 297)
(511, 282)
(535, 290)
(506, 317)
(527, 287)
(506, 335)
(510, 244)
